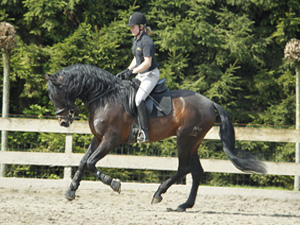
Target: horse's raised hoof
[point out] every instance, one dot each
(116, 185)
(70, 195)
(156, 199)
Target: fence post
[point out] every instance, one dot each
(5, 105)
(297, 152)
(189, 179)
(68, 151)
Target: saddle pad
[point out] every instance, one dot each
(161, 101)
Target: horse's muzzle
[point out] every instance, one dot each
(67, 120)
(64, 123)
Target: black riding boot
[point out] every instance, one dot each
(143, 134)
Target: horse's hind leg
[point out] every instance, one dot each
(197, 172)
(168, 183)
(70, 193)
(183, 169)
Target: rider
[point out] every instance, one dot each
(145, 66)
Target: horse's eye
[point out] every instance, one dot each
(71, 111)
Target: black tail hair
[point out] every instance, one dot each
(246, 161)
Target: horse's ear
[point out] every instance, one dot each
(47, 77)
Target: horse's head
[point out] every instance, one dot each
(65, 110)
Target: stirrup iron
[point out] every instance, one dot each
(142, 137)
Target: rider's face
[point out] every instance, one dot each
(135, 30)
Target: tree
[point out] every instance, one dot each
(292, 52)
(8, 41)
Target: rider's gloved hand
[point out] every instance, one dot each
(125, 74)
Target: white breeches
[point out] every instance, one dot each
(148, 82)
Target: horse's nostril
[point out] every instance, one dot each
(64, 124)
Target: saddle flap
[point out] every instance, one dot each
(158, 103)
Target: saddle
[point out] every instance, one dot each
(158, 103)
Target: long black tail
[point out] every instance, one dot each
(240, 159)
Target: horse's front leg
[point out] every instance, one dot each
(103, 149)
(115, 184)
(70, 193)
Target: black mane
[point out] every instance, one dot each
(83, 81)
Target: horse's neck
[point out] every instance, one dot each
(87, 90)
(91, 91)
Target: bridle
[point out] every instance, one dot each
(73, 109)
(71, 112)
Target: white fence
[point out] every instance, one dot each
(69, 159)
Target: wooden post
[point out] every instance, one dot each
(189, 180)
(297, 152)
(7, 42)
(5, 104)
(292, 53)
(68, 151)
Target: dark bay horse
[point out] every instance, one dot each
(103, 95)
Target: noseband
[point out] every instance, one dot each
(62, 110)
(71, 113)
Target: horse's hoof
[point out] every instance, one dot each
(156, 199)
(116, 185)
(70, 195)
(179, 209)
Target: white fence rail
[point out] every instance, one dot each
(69, 159)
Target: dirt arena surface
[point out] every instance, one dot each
(132, 207)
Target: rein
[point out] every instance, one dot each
(72, 110)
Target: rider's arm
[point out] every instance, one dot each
(132, 64)
(145, 65)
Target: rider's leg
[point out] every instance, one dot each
(143, 134)
(148, 82)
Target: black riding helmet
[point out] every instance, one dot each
(136, 18)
